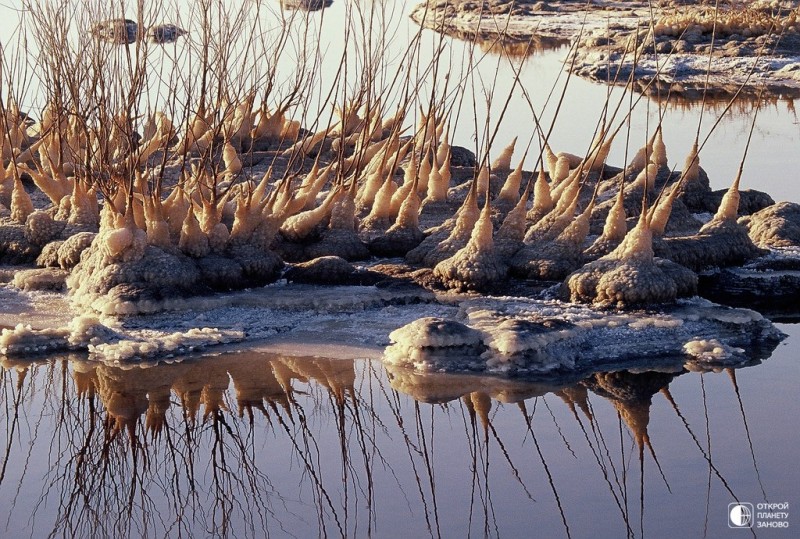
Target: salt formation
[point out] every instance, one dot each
(630, 275)
(614, 229)
(519, 337)
(444, 240)
(404, 235)
(510, 235)
(413, 343)
(554, 259)
(775, 226)
(475, 266)
(340, 238)
(503, 161)
(542, 199)
(719, 243)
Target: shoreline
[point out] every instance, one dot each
(608, 41)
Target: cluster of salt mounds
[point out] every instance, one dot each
(172, 209)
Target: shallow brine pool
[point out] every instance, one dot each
(259, 443)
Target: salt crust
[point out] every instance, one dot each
(530, 336)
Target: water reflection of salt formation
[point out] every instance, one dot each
(245, 443)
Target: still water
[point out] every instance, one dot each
(259, 444)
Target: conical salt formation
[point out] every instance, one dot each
(424, 174)
(193, 241)
(437, 188)
(643, 156)
(691, 168)
(298, 227)
(475, 266)
(410, 179)
(729, 207)
(511, 233)
(646, 177)
(176, 207)
(156, 225)
(444, 171)
(659, 215)
(560, 170)
(466, 218)
(443, 151)
(233, 165)
(381, 215)
(597, 158)
(510, 190)
(316, 187)
(483, 179)
(82, 211)
(404, 234)
(614, 229)
(659, 156)
(542, 198)
(551, 159)
(503, 161)
(21, 204)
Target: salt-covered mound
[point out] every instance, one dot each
(719, 243)
(23, 243)
(630, 275)
(775, 226)
(447, 340)
(330, 270)
(528, 336)
(65, 254)
(475, 266)
(121, 274)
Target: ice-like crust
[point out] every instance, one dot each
(106, 344)
(711, 351)
(775, 226)
(41, 279)
(527, 336)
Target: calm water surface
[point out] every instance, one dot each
(246, 443)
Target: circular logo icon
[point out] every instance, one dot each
(741, 515)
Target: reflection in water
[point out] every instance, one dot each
(244, 444)
(510, 46)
